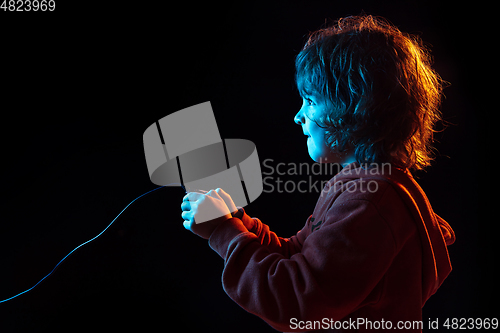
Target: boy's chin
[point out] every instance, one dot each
(332, 158)
(324, 159)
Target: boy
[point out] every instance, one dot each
(373, 251)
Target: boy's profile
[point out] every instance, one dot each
(365, 259)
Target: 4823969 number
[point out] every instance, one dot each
(471, 323)
(28, 5)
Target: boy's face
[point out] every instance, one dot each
(313, 107)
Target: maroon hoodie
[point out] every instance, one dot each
(369, 257)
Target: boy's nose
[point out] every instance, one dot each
(298, 118)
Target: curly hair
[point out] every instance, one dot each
(384, 93)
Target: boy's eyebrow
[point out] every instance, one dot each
(309, 94)
(303, 92)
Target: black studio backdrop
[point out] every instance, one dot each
(81, 84)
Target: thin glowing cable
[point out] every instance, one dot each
(90, 240)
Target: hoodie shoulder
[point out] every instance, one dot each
(434, 232)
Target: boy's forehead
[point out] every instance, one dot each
(311, 92)
(306, 88)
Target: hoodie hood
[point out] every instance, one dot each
(435, 233)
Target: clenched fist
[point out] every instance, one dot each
(203, 212)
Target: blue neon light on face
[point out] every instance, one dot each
(313, 107)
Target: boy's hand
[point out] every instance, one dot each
(227, 199)
(208, 208)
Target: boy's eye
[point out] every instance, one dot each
(309, 101)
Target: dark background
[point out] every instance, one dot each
(80, 85)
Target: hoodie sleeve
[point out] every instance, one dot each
(336, 271)
(285, 246)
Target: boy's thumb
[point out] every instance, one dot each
(223, 194)
(227, 199)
